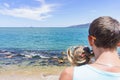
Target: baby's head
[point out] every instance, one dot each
(78, 55)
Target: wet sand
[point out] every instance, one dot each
(31, 77)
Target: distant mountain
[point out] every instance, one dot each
(80, 26)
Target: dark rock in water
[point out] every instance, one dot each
(32, 63)
(52, 62)
(3, 51)
(9, 56)
(60, 61)
(7, 63)
(36, 57)
(19, 55)
(44, 63)
(13, 52)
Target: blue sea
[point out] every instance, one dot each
(42, 38)
(36, 45)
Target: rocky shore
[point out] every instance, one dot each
(33, 57)
(32, 64)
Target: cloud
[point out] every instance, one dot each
(34, 13)
(6, 5)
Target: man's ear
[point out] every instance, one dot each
(118, 44)
(90, 40)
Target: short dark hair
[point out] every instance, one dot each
(106, 30)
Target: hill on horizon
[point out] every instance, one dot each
(80, 26)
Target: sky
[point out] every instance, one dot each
(55, 13)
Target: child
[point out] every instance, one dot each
(79, 55)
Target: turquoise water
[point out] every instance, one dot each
(42, 38)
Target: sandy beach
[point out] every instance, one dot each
(26, 77)
(31, 73)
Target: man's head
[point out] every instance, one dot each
(105, 31)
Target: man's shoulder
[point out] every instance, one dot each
(67, 73)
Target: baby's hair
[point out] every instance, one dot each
(78, 55)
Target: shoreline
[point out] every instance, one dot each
(33, 57)
(32, 64)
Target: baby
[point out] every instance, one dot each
(79, 55)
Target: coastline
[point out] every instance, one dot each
(31, 64)
(33, 58)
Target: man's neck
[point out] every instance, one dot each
(111, 54)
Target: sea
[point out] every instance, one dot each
(37, 38)
(37, 45)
